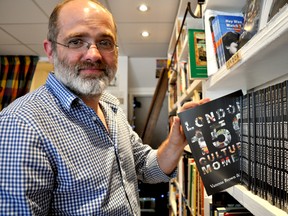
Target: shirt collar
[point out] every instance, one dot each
(110, 100)
(66, 97)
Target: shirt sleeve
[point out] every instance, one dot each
(26, 175)
(147, 167)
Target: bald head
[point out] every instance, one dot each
(76, 9)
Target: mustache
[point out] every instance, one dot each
(91, 65)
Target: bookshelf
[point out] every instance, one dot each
(254, 203)
(181, 93)
(263, 61)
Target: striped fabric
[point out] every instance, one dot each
(16, 73)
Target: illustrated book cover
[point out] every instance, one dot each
(213, 134)
(197, 54)
(252, 16)
(212, 58)
(227, 30)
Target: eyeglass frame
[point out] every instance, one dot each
(88, 45)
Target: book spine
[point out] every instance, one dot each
(264, 143)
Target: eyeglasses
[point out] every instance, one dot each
(103, 46)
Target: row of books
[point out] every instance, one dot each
(242, 139)
(190, 188)
(179, 86)
(188, 191)
(264, 143)
(189, 61)
(227, 32)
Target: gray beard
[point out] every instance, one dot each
(88, 86)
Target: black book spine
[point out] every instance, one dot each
(262, 140)
(266, 101)
(272, 93)
(253, 143)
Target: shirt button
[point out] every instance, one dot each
(94, 118)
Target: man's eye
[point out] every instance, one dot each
(75, 43)
(105, 43)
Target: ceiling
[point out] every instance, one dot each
(23, 26)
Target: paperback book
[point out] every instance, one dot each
(213, 134)
(197, 54)
(252, 16)
(263, 158)
(212, 58)
(227, 30)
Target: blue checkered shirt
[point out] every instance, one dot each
(57, 158)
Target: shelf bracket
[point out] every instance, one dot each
(200, 3)
(188, 9)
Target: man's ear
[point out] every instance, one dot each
(48, 50)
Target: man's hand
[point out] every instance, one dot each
(191, 104)
(172, 148)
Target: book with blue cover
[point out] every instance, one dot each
(227, 29)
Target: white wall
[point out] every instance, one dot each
(142, 82)
(141, 79)
(120, 87)
(161, 130)
(142, 73)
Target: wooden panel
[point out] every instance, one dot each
(41, 73)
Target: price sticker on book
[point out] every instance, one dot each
(233, 60)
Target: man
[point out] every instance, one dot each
(67, 149)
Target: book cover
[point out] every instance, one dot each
(213, 134)
(227, 30)
(212, 59)
(252, 16)
(197, 54)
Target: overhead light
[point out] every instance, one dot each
(145, 34)
(143, 8)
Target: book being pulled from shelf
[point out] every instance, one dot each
(213, 134)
